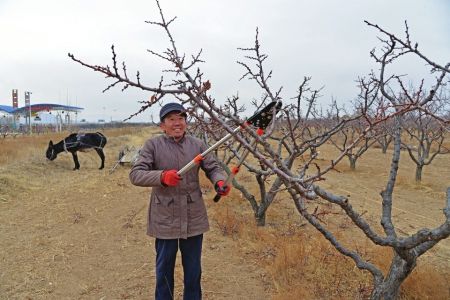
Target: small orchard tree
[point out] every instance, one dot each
(299, 133)
(426, 137)
(385, 136)
(347, 136)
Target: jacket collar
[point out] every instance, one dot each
(172, 139)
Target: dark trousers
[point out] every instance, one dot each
(166, 254)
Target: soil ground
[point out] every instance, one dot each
(81, 234)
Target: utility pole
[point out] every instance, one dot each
(15, 104)
(28, 103)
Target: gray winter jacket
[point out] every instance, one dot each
(174, 212)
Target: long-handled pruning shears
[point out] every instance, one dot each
(260, 120)
(235, 169)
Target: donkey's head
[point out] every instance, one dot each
(51, 153)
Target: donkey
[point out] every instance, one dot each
(78, 142)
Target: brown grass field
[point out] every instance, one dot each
(81, 234)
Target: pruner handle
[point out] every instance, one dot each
(221, 189)
(235, 170)
(217, 198)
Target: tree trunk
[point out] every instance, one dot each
(352, 163)
(260, 218)
(419, 172)
(384, 148)
(390, 287)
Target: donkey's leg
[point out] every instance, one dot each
(75, 160)
(102, 156)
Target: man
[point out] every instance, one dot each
(177, 214)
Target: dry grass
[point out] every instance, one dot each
(303, 265)
(426, 282)
(288, 256)
(22, 146)
(229, 223)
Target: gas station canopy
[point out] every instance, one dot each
(6, 109)
(38, 108)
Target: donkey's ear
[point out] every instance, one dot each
(50, 143)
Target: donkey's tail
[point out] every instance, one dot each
(103, 139)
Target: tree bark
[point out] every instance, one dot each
(419, 169)
(352, 163)
(260, 218)
(390, 287)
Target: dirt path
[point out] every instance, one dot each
(81, 235)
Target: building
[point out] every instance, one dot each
(62, 114)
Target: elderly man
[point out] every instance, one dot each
(177, 215)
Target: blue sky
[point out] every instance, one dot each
(325, 39)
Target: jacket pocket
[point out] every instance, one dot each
(196, 205)
(163, 209)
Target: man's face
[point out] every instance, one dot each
(174, 125)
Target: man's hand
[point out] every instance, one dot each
(221, 189)
(170, 178)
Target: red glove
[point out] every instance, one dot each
(170, 178)
(221, 189)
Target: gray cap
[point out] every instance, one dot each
(171, 107)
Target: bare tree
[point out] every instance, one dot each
(426, 137)
(350, 132)
(295, 136)
(299, 133)
(385, 136)
(406, 249)
(302, 186)
(302, 183)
